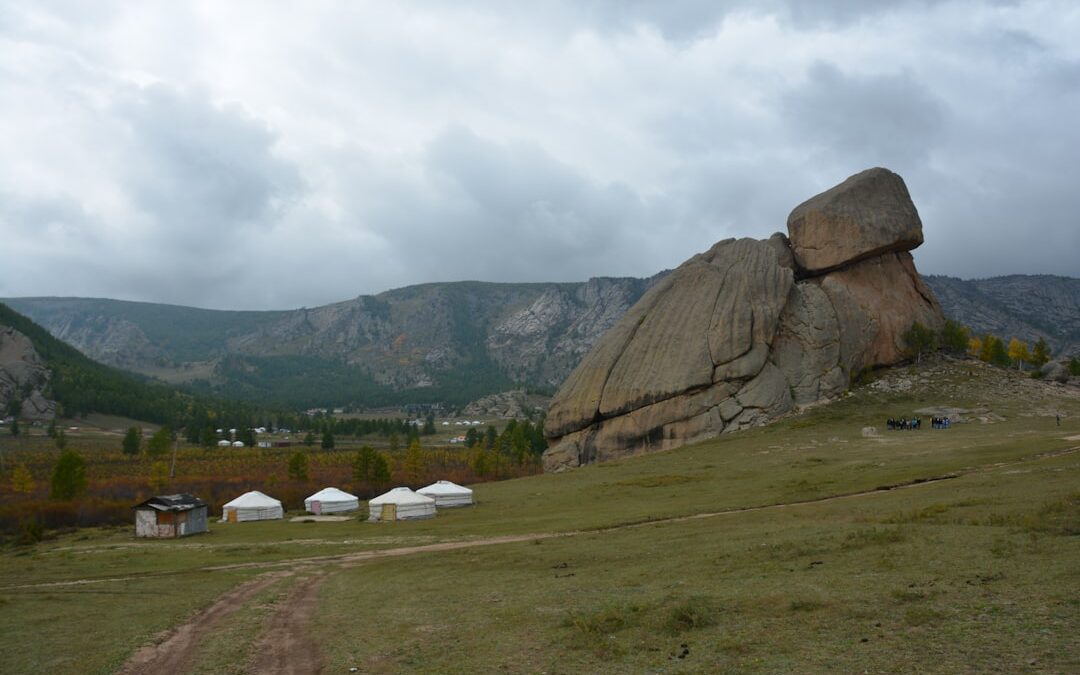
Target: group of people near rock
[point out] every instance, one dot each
(940, 422)
(915, 423)
(904, 424)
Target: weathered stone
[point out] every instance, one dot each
(869, 214)
(807, 345)
(1054, 371)
(875, 302)
(730, 340)
(23, 376)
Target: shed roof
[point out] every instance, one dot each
(178, 502)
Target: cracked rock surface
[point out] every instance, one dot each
(744, 332)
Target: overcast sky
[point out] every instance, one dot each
(257, 155)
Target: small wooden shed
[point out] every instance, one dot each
(171, 516)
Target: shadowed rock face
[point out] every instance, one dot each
(741, 334)
(23, 377)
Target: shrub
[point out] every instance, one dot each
(690, 614)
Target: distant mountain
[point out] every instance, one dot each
(1023, 306)
(449, 342)
(42, 376)
(445, 342)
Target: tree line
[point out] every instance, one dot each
(957, 339)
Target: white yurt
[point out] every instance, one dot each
(331, 500)
(252, 505)
(447, 494)
(401, 503)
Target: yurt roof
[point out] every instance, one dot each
(445, 487)
(254, 499)
(331, 494)
(401, 495)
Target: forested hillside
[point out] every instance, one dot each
(1027, 307)
(79, 385)
(450, 343)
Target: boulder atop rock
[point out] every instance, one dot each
(733, 339)
(869, 214)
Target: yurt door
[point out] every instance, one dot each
(232, 516)
(389, 511)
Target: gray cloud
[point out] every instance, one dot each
(310, 156)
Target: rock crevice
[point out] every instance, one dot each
(744, 332)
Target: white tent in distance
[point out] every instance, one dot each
(447, 494)
(252, 505)
(401, 503)
(331, 500)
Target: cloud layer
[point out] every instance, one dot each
(246, 155)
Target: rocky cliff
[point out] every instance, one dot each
(1027, 307)
(742, 333)
(24, 378)
(451, 341)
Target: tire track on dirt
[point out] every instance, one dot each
(286, 646)
(174, 650)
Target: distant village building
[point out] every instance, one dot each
(238, 444)
(171, 516)
(224, 444)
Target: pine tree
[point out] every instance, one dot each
(955, 337)
(1040, 356)
(999, 355)
(298, 466)
(328, 439)
(160, 442)
(69, 476)
(132, 441)
(364, 465)
(380, 469)
(919, 339)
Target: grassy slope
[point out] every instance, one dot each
(973, 570)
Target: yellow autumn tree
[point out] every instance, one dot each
(975, 347)
(159, 477)
(1018, 351)
(415, 463)
(22, 481)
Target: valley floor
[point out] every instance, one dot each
(782, 549)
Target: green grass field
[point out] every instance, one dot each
(979, 572)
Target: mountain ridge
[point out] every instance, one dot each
(447, 341)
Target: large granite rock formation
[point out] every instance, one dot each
(741, 334)
(23, 378)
